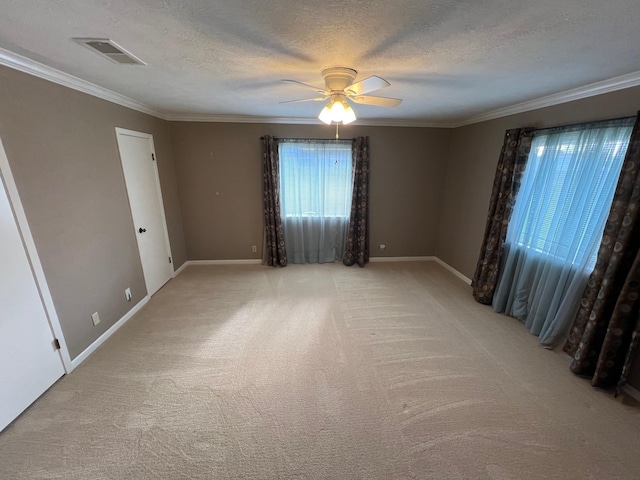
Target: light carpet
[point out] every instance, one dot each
(322, 372)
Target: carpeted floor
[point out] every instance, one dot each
(322, 372)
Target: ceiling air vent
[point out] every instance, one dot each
(110, 50)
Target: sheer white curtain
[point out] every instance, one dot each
(316, 182)
(557, 224)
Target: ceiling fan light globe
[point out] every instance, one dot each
(325, 115)
(337, 111)
(349, 116)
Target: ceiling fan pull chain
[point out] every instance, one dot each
(337, 136)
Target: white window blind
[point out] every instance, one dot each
(567, 189)
(316, 178)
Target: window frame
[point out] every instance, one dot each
(336, 209)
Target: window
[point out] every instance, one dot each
(316, 181)
(567, 189)
(557, 224)
(316, 178)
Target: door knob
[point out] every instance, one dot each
(142, 230)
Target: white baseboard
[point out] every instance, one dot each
(242, 261)
(462, 277)
(401, 259)
(180, 269)
(103, 338)
(632, 392)
(256, 261)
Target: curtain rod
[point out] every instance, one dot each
(572, 125)
(314, 139)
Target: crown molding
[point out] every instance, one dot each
(187, 117)
(26, 65)
(617, 83)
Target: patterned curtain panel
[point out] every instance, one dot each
(606, 331)
(357, 246)
(274, 253)
(511, 165)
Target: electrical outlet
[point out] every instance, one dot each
(95, 318)
(254, 249)
(382, 246)
(127, 294)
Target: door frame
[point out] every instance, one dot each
(149, 137)
(34, 260)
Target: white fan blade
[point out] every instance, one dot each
(306, 85)
(377, 101)
(317, 99)
(367, 85)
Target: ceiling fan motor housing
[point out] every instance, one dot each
(338, 78)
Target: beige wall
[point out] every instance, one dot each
(471, 168)
(62, 150)
(219, 172)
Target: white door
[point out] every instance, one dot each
(145, 199)
(29, 360)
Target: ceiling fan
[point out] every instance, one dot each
(339, 88)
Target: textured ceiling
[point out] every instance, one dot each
(449, 60)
